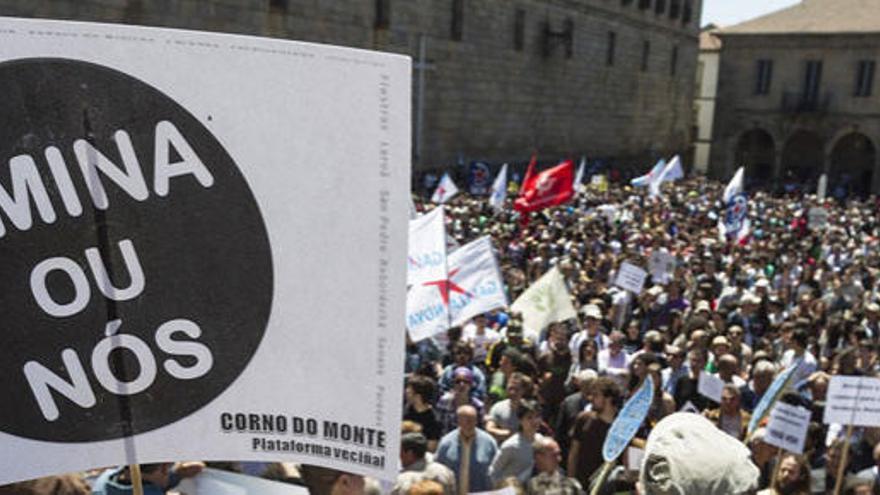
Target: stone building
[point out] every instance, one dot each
(492, 79)
(704, 97)
(796, 97)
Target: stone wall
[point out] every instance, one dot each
(483, 98)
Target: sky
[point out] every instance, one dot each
(729, 12)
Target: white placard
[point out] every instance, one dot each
(787, 428)
(634, 458)
(709, 385)
(817, 218)
(216, 482)
(205, 168)
(631, 278)
(853, 400)
(661, 265)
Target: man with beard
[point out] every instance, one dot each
(590, 429)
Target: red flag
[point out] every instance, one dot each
(551, 187)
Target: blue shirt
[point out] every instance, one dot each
(483, 450)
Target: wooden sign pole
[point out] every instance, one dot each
(841, 469)
(137, 483)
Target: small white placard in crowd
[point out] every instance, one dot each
(631, 278)
(788, 426)
(710, 386)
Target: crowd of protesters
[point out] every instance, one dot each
(500, 405)
(493, 404)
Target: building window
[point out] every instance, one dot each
(519, 30)
(674, 9)
(812, 81)
(865, 78)
(659, 6)
(673, 60)
(644, 4)
(609, 53)
(688, 12)
(646, 53)
(278, 5)
(383, 14)
(764, 75)
(457, 28)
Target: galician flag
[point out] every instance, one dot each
(474, 286)
(671, 172)
(426, 256)
(446, 189)
(544, 302)
(734, 224)
(499, 189)
(645, 180)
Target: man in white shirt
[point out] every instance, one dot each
(592, 330)
(612, 360)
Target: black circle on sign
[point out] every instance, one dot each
(204, 251)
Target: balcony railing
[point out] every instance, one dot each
(805, 102)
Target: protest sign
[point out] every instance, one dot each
(817, 218)
(180, 264)
(426, 256)
(474, 286)
(634, 458)
(217, 482)
(787, 428)
(631, 278)
(853, 400)
(709, 385)
(661, 265)
(628, 421)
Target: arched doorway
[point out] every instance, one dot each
(756, 151)
(852, 164)
(802, 160)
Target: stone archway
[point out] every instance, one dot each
(803, 159)
(756, 151)
(852, 164)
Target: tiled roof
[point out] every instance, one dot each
(708, 41)
(815, 17)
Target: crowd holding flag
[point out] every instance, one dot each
(426, 252)
(645, 180)
(499, 189)
(446, 189)
(672, 171)
(546, 301)
(579, 176)
(473, 286)
(545, 189)
(734, 224)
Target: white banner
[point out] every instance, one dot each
(181, 286)
(787, 428)
(474, 286)
(853, 400)
(631, 277)
(544, 302)
(426, 259)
